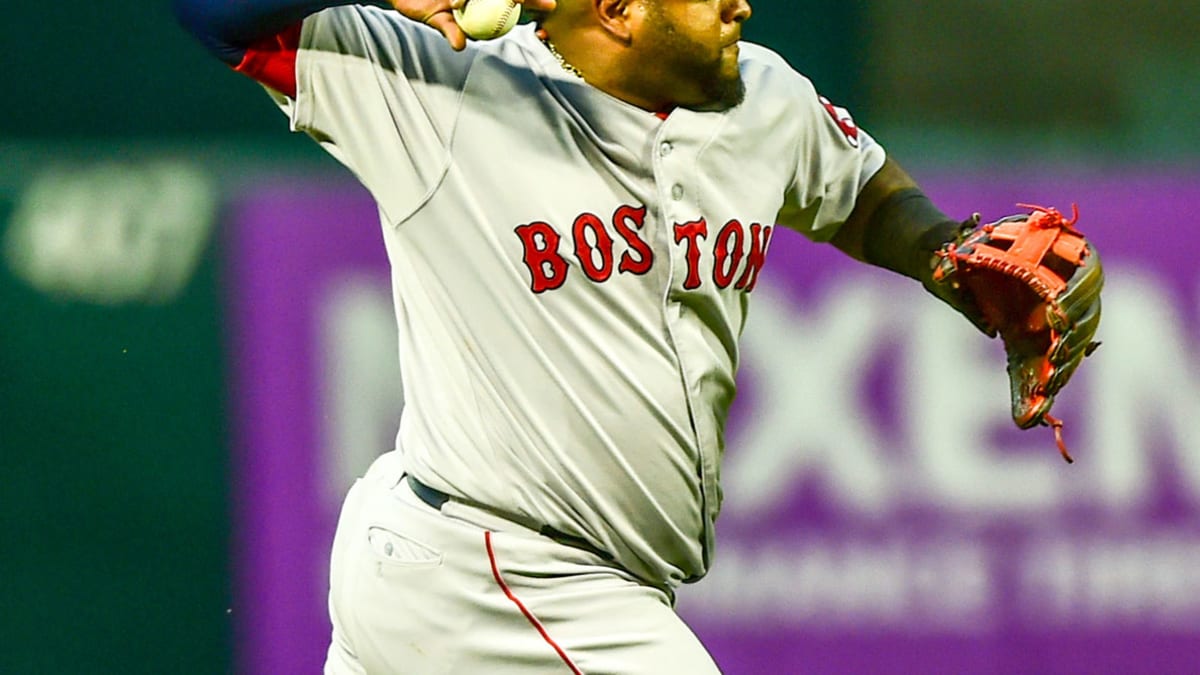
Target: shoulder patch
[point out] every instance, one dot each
(841, 117)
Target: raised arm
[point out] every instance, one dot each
(232, 28)
(228, 28)
(259, 38)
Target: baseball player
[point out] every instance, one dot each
(576, 216)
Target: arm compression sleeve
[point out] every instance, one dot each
(905, 231)
(228, 27)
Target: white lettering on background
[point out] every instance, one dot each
(1148, 392)
(953, 450)
(947, 586)
(808, 417)
(831, 584)
(1146, 579)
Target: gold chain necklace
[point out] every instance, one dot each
(566, 65)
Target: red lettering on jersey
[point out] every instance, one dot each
(586, 252)
(692, 232)
(625, 220)
(844, 121)
(760, 238)
(728, 253)
(272, 61)
(736, 248)
(546, 267)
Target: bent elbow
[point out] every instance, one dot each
(204, 19)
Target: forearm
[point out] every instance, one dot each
(905, 233)
(228, 27)
(895, 226)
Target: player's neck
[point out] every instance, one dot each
(592, 58)
(562, 61)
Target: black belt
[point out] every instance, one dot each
(433, 497)
(437, 499)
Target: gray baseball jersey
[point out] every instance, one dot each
(571, 273)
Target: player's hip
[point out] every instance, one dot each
(439, 528)
(463, 592)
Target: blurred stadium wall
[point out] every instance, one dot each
(127, 156)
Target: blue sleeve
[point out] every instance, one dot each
(227, 27)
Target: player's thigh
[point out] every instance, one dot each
(397, 584)
(603, 619)
(629, 635)
(415, 591)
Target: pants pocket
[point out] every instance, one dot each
(394, 548)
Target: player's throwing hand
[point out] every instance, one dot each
(439, 14)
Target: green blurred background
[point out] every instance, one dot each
(113, 441)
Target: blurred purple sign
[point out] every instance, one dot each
(882, 514)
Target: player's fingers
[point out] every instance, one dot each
(534, 5)
(538, 5)
(445, 24)
(435, 13)
(420, 10)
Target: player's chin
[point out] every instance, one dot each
(718, 94)
(723, 90)
(731, 88)
(729, 91)
(734, 91)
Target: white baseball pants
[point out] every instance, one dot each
(421, 591)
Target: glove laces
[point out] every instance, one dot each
(1051, 421)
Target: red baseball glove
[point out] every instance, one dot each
(1035, 281)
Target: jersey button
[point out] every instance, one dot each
(665, 148)
(677, 192)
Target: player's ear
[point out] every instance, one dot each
(620, 18)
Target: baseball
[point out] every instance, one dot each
(487, 19)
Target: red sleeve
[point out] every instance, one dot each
(272, 61)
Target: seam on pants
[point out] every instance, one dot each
(533, 620)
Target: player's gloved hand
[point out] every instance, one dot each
(1035, 281)
(439, 14)
(954, 294)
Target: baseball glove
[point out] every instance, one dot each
(1035, 281)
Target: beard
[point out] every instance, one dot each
(715, 82)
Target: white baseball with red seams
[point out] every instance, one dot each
(487, 19)
(568, 347)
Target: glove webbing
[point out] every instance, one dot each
(1032, 247)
